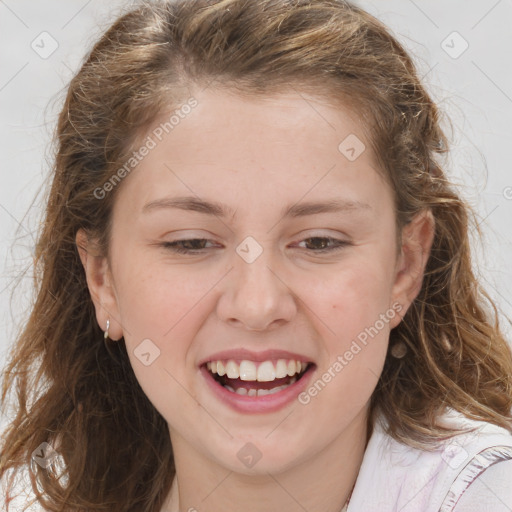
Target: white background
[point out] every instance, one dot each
(474, 90)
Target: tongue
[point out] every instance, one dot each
(237, 383)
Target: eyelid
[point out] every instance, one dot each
(319, 233)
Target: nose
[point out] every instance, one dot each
(256, 296)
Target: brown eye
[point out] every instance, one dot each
(324, 244)
(187, 246)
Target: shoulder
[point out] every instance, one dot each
(484, 471)
(396, 477)
(489, 491)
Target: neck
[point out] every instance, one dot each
(323, 481)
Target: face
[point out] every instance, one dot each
(255, 235)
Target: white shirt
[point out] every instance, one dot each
(468, 473)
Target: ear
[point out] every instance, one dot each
(417, 238)
(100, 284)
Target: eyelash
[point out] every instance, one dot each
(176, 247)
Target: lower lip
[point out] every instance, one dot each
(258, 404)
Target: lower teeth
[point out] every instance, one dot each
(259, 392)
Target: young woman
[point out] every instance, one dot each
(255, 288)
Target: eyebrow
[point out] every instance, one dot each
(302, 209)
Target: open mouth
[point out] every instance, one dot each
(248, 378)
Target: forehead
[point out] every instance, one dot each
(232, 147)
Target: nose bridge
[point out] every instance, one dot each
(257, 295)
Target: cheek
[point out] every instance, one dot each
(155, 302)
(354, 295)
(354, 308)
(356, 320)
(161, 304)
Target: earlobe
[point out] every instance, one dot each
(100, 284)
(417, 239)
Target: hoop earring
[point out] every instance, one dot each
(106, 331)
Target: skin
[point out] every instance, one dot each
(257, 156)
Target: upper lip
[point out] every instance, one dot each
(243, 353)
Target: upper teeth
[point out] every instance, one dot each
(264, 372)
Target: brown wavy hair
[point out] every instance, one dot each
(80, 395)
